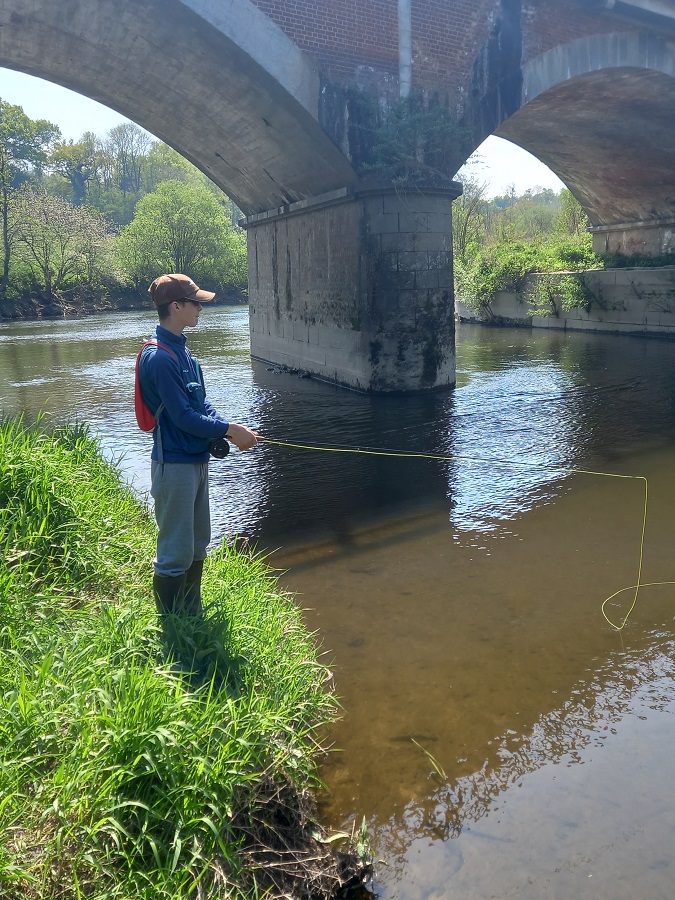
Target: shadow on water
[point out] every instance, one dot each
(500, 738)
(463, 621)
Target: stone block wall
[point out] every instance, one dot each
(632, 301)
(356, 288)
(655, 238)
(407, 282)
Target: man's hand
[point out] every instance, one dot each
(241, 436)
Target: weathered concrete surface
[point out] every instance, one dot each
(599, 112)
(216, 79)
(627, 301)
(646, 238)
(357, 288)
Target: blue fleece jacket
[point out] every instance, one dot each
(188, 422)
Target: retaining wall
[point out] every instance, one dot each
(634, 301)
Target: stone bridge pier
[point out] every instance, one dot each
(356, 287)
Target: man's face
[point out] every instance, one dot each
(188, 312)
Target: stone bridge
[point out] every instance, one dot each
(350, 277)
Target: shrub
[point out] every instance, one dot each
(505, 267)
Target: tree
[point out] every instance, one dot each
(59, 243)
(182, 228)
(166, 164)
(163, 163)
(78, 163)
(24, 148)
(127, 145)
(571, 219)
(468, 225)
(125, 151)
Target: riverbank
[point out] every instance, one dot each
(126, 771)
(635, 301)
(79, 303)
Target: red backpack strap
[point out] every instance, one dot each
(153, 343)
(144, 416)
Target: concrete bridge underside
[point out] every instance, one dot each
(215, 79)
(354, 284)
(599, 113)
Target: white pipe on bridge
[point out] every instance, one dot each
(404, 47)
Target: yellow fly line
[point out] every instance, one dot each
(477, 459)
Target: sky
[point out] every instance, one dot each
(500, 163)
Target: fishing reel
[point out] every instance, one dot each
(219, 448)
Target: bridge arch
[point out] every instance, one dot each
(599, 112)
(215, 79)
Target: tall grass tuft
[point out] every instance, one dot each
(123, 775)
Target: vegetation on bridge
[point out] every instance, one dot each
(412, 143)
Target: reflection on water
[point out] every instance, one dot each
(500, 739)
(576, 808)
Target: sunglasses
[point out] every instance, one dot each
(188, 300)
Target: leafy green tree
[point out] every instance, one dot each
(572, 218)
(527, 217)
(126, 147)
(24, 149)
(78, 163)
(182, 227)
(59, 243)
(123, 155)
(163, 163)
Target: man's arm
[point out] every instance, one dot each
(172, 392)
(167, 381)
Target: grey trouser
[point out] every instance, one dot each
(181, 494)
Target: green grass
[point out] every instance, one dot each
(122, 776)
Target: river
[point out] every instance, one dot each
(499, 737)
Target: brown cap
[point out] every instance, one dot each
(168, 288)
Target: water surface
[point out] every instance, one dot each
(501, 739)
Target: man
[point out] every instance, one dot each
(172, 386)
